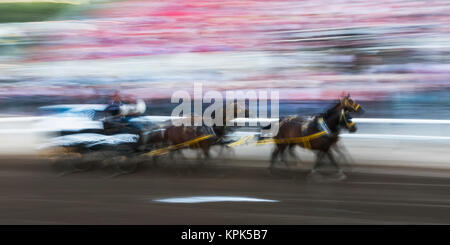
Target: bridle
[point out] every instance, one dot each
(343, 117)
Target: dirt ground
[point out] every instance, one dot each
(33, 192)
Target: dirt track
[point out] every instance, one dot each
(31, 192)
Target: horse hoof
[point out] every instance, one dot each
(313, 172)
(315, 177)
(311, 178)
(341, 177)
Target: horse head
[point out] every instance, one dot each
(349, 104)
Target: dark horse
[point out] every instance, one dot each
(319, 133)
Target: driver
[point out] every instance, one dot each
(117, 107)
(114, 105)
(121, 112)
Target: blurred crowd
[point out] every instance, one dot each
(309, 50)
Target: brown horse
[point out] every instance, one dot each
(176, 135)
(319, 133)
(179, 135)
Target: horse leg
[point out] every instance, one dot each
(205, 150)
(222, 147)
(274, 157)
(283, 155)
(226, 151)
(181, 154)
(155, 161)
(333, 161)
(319, 162)
(344, 155)
(172, 156)
(293, 155)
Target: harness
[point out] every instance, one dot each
(323, 125)
(306, 125)
(241, 141)
(210, 133)
(306, 140)
(165, 150)
(342, 116)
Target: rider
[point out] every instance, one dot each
(122, 112)
(120, 107)
(114, 106)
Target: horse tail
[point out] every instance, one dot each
(165, 136)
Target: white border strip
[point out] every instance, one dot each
(395, 137)
(359, 120)
(403, 121)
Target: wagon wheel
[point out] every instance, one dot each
(125, 165)
(76, 165)
(82, 165)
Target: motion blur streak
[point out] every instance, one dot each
(86, 87)
(312, 49)
(200, 199)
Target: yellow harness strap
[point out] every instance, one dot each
(306, 140)
(241, 141)
(174, 147)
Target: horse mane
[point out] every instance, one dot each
(330, 110)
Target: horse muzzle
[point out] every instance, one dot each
(359, 110)
(352, 129)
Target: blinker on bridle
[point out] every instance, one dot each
(344, 117)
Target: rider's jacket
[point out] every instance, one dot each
(114, 108)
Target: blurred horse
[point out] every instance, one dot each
(319, 133)
(179, 135)
(348, 105)
(222, 130)
(176, 135)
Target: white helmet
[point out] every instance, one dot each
(140, 106)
